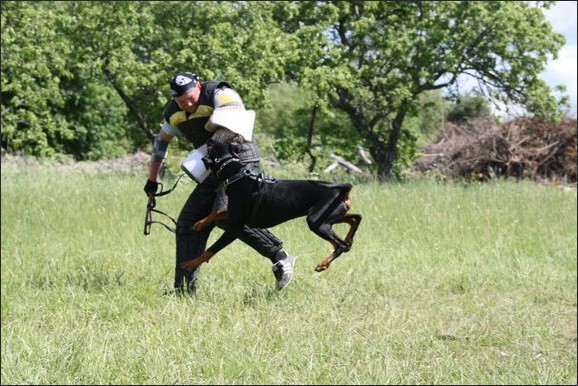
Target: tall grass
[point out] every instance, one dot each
(446, 284)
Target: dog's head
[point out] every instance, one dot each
(218, 153)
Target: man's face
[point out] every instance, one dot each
(189, 101)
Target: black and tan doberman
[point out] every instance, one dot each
(263, 202)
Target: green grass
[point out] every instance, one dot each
(446, 283)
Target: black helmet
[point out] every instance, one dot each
(182, 82)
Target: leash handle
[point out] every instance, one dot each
(163, 192)
(151, 205)
(149, 221)
(152, 201)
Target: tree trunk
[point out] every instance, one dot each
(384, 153)
(385, 168)
(377, 149)
(310, 139)
(129, 103)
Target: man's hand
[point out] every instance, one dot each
(151, 187)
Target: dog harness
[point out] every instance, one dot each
(261, 178)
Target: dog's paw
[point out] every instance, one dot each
(192, 264)
(322, 266)
(189, 265)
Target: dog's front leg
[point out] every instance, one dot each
(204, 222)
(192, 264)
(225, 239)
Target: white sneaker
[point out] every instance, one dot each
(283, 270)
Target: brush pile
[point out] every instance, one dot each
(523, 148)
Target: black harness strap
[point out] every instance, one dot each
(261, 179)
(234, 178)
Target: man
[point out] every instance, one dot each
(188, 115)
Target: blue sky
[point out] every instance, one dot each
(563, 70)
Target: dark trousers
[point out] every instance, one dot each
(190, 244)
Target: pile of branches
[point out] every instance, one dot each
(521, 148)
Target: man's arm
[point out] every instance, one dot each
(159, 153)
(160, 148)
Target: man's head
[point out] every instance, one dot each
(186, 91)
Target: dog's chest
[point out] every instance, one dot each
(242, 198)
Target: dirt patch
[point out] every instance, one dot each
(138, 162)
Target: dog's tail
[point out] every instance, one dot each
(345, 187)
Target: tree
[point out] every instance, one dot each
(77, 76)
(469, 108)
(58, 88)
(300, 132)
(373, 59)
(33, 66)
(90, 78)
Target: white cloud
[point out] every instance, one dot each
(563, 18)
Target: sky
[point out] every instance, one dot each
(563, 70)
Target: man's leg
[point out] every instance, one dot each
(190, 243)
(270, 246)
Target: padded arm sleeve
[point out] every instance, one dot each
(248, 150)
(225, 135)
(160, 145)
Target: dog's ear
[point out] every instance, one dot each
(235, 148)
(208, 162)
(215, 149)
(211, 143)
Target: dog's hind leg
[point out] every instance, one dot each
(339, 246)
(324, 264)
(342, 246)
(323, 227)
(353, 220)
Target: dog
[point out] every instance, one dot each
(263, 202)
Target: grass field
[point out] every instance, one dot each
(447, 283)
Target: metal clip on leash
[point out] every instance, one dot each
(151, 208)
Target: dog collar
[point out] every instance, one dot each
(228, 161)
(235, 178)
